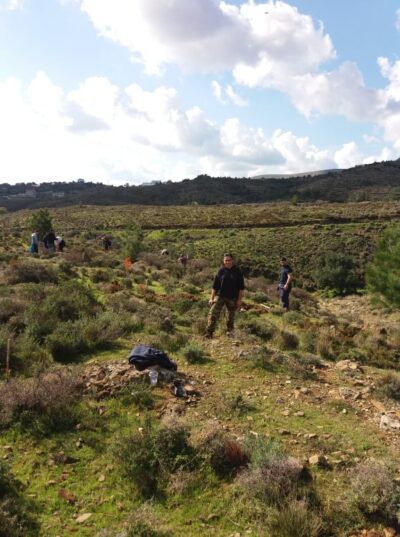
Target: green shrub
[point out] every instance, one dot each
(143, 522)
(375, 491)
(194, 353)
(183, 305)
(389, 385)
(9, 307)
(263, 330)
(41, 222)
(308, 341)
(338, 273)
(43, 404)
(286, 340)
(132, 240)
(383, 274)
(28, 270)
(139, 393)
(273, 481)
(28, 356)
(66, 342)
(150, 455)
(294, 520)
(15, 518)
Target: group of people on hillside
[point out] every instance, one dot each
(51, 242)
(227, 291)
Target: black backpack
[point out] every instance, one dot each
(143, 356)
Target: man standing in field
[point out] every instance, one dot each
(227, 290)
(285, 283)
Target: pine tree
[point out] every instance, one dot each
(383, 274)
(41, 222)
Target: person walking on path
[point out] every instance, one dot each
(285, 283)
(227, 290)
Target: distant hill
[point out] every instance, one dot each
(378, 181)
(304, 174)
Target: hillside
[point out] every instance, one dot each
(288, 429)
(378, 181)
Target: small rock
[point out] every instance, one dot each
(299, 414)
(389, 423)
(317, 460)
(102, 478)
(82, 518)
(284, 432)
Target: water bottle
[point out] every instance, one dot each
(153, 376)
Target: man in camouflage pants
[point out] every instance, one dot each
(227, 290)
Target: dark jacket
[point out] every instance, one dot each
(228, 282)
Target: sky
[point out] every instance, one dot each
(134, 91)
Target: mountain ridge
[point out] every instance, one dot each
(369, 182)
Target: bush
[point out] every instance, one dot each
(144, 523)
(294, 520)
(225, 455)
(29, 356)
(286, 340)
(149, 456)
(139, 393)
(390, 385)
(132, 240)
(194, 353)
(274, 481)
(383, 274)
(258, 328)
(41, 222)
(15, 519)
(338, 273)
(30, 271)
(375, 491)
(43, 404)
(272, 477)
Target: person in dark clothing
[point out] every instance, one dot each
(49, 241)
(227, 290)
(285, 283)
(183, 259)
(106, 240)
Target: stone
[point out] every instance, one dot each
(347, 365)
(317, 460)
(82, 518)
(387, 422)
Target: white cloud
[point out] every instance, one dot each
(348, 156)
(100, 131)
(207, 36)
(217, 90)
(269, 44)
(227, 95)
(11, 5)
(235, 98)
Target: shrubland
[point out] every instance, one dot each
(236, 457)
